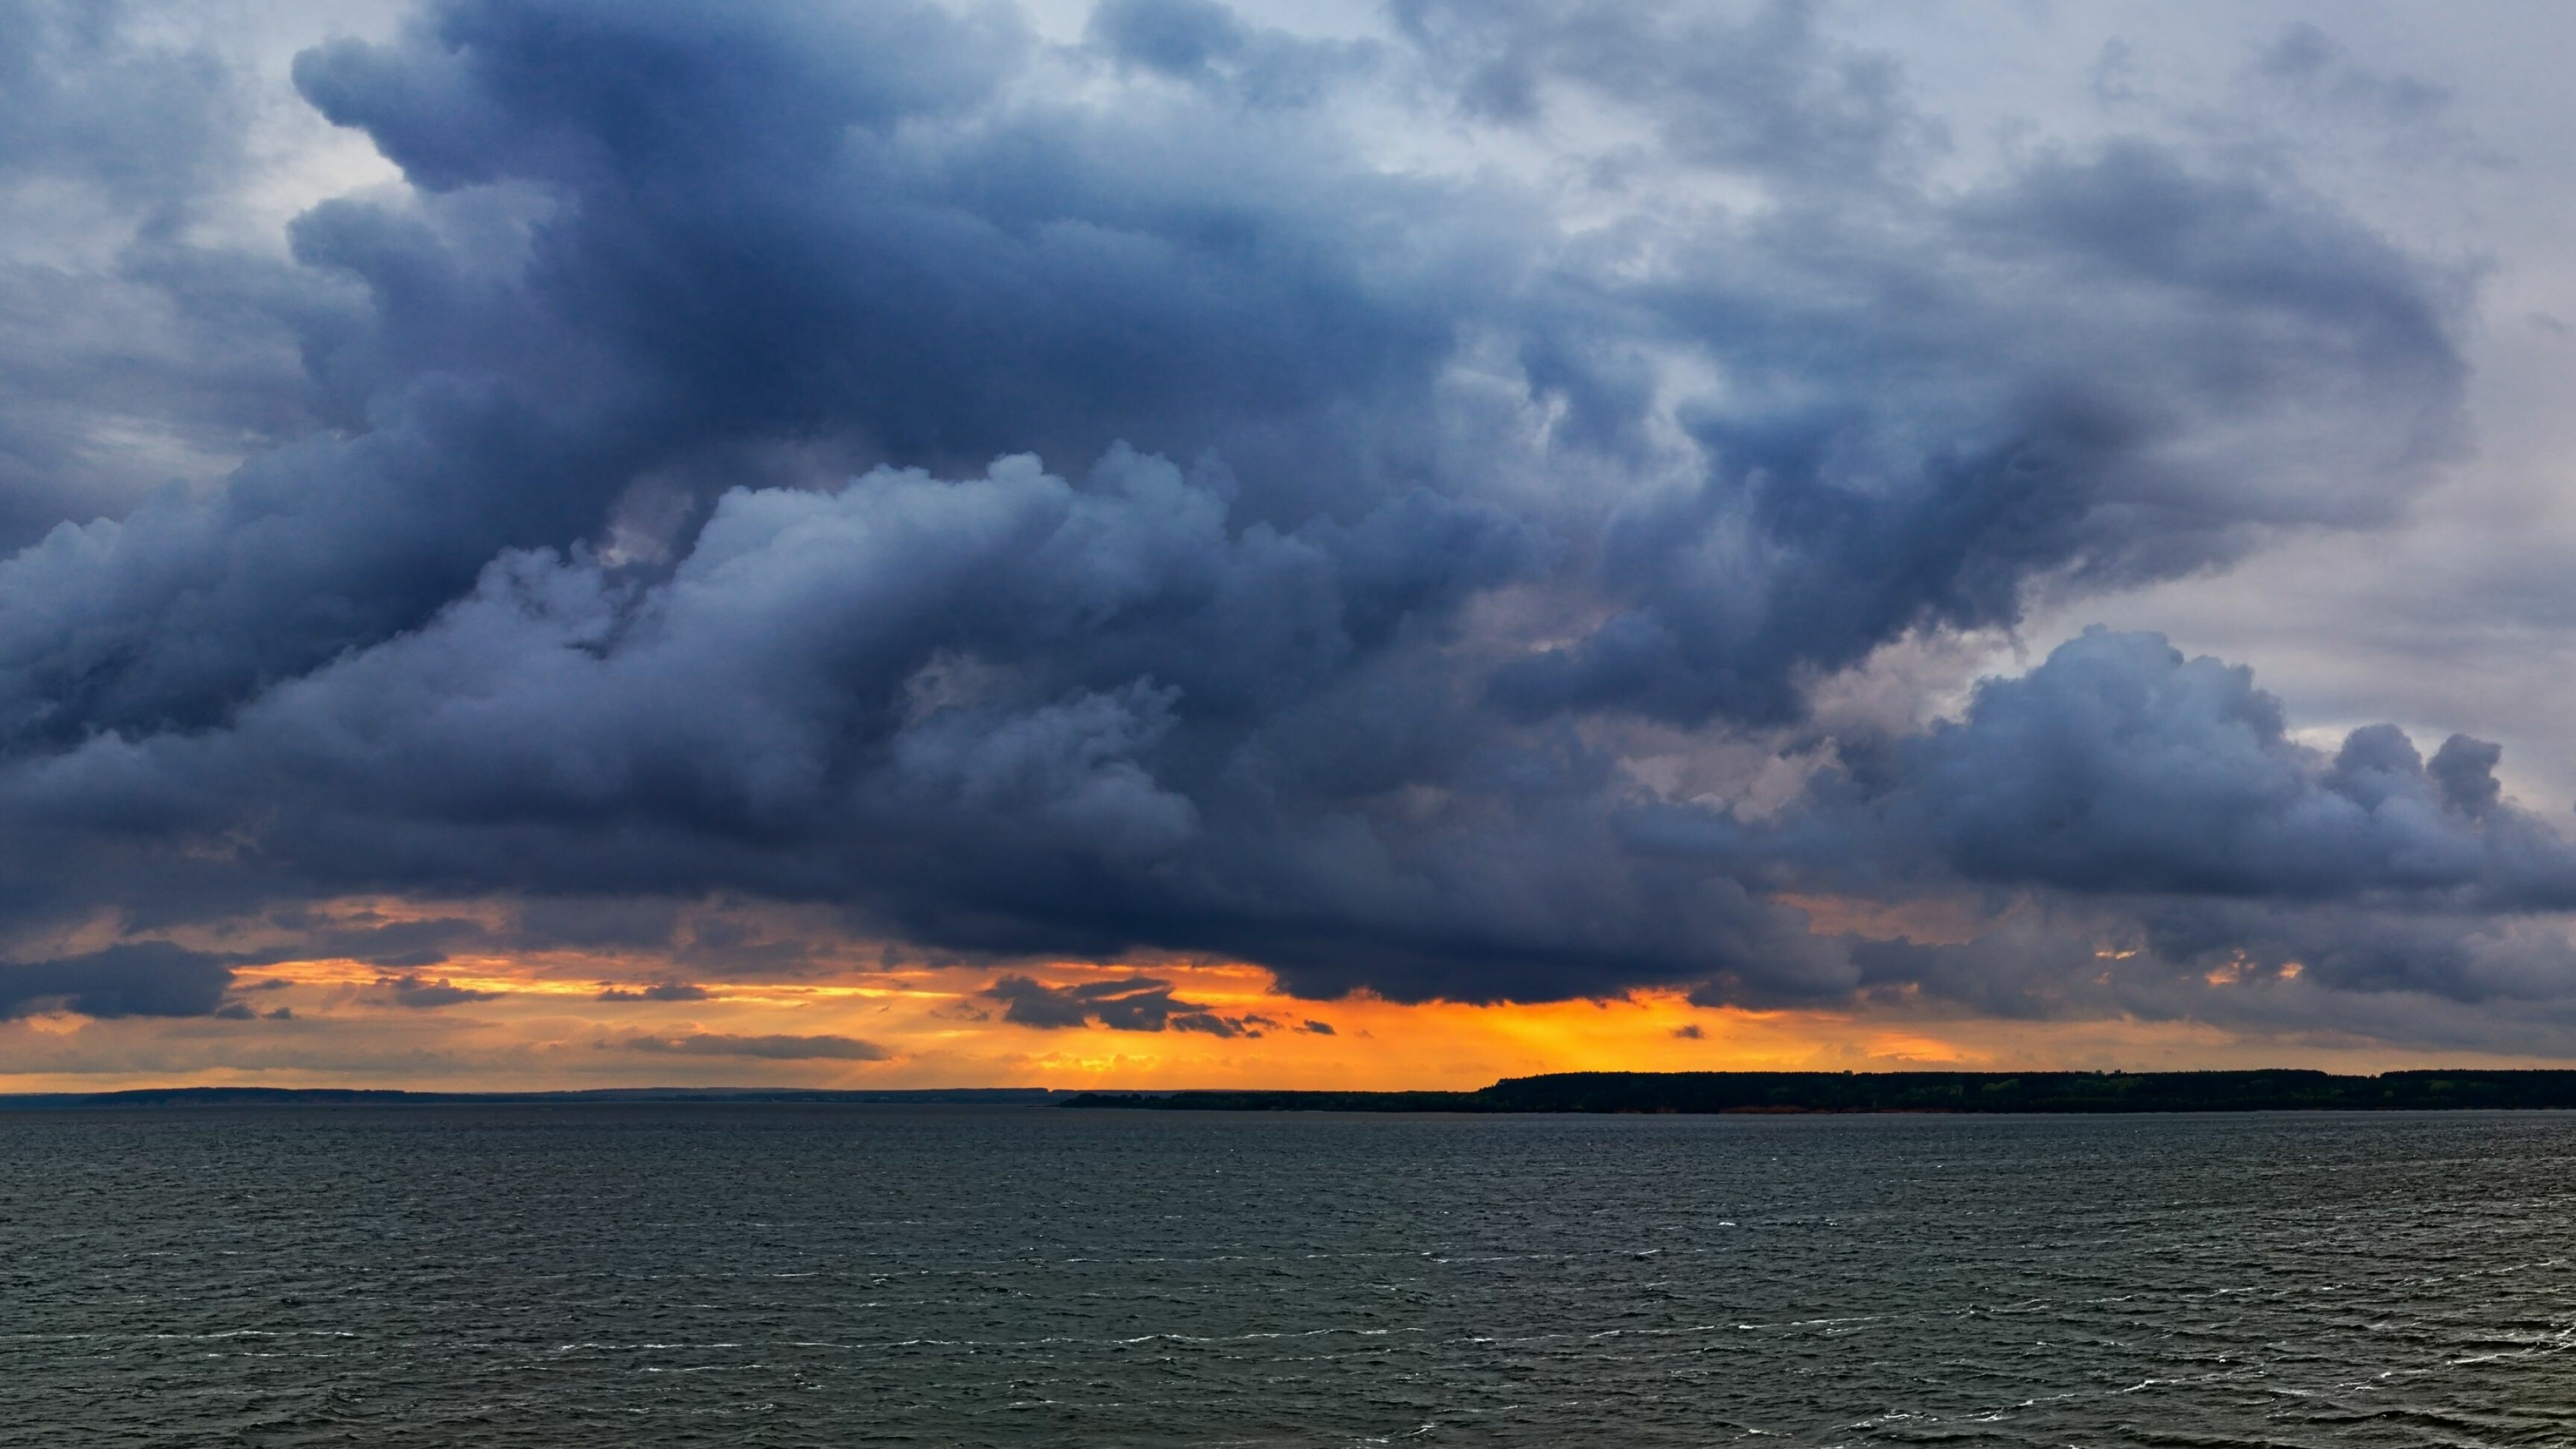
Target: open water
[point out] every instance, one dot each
(789, 1275)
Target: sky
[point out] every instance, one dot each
(568, 543)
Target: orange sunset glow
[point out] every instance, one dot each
(565, 1020)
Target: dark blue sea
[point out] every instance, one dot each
(795, 1275)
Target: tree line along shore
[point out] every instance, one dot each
(2269, 1090)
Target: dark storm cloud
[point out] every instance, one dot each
(1133, 1003)
(770, 1048)
(1376, 508)
(596, 923)
(1903, 490)
(393, 945)
(143, 978)
(950, 701)
(593, 291)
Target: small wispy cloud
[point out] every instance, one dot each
(659, 991)
(779, 1048)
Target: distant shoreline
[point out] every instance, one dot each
(597, 1096)
(1822, 1093)
(1676, 1093)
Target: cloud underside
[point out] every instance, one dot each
(1076, 501)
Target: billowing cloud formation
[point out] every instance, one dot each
(1080, 498)
(772, 1048)
(2119, 765)
(2187, 849)
(593, 294)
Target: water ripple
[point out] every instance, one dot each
(791, 1276)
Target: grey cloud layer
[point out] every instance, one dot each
(144, 978)
(572, 591)
(139, 348)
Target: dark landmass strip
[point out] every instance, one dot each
(1647, 1092)
(361, 1097)
(1787, 1092)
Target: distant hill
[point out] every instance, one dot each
(2270, 1090)
(363, 1097)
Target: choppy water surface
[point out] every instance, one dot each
(775, 1275)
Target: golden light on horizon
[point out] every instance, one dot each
(541, 1021)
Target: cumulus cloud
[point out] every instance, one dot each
(2173, 850)
(1068, 500)
(2121, 765)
